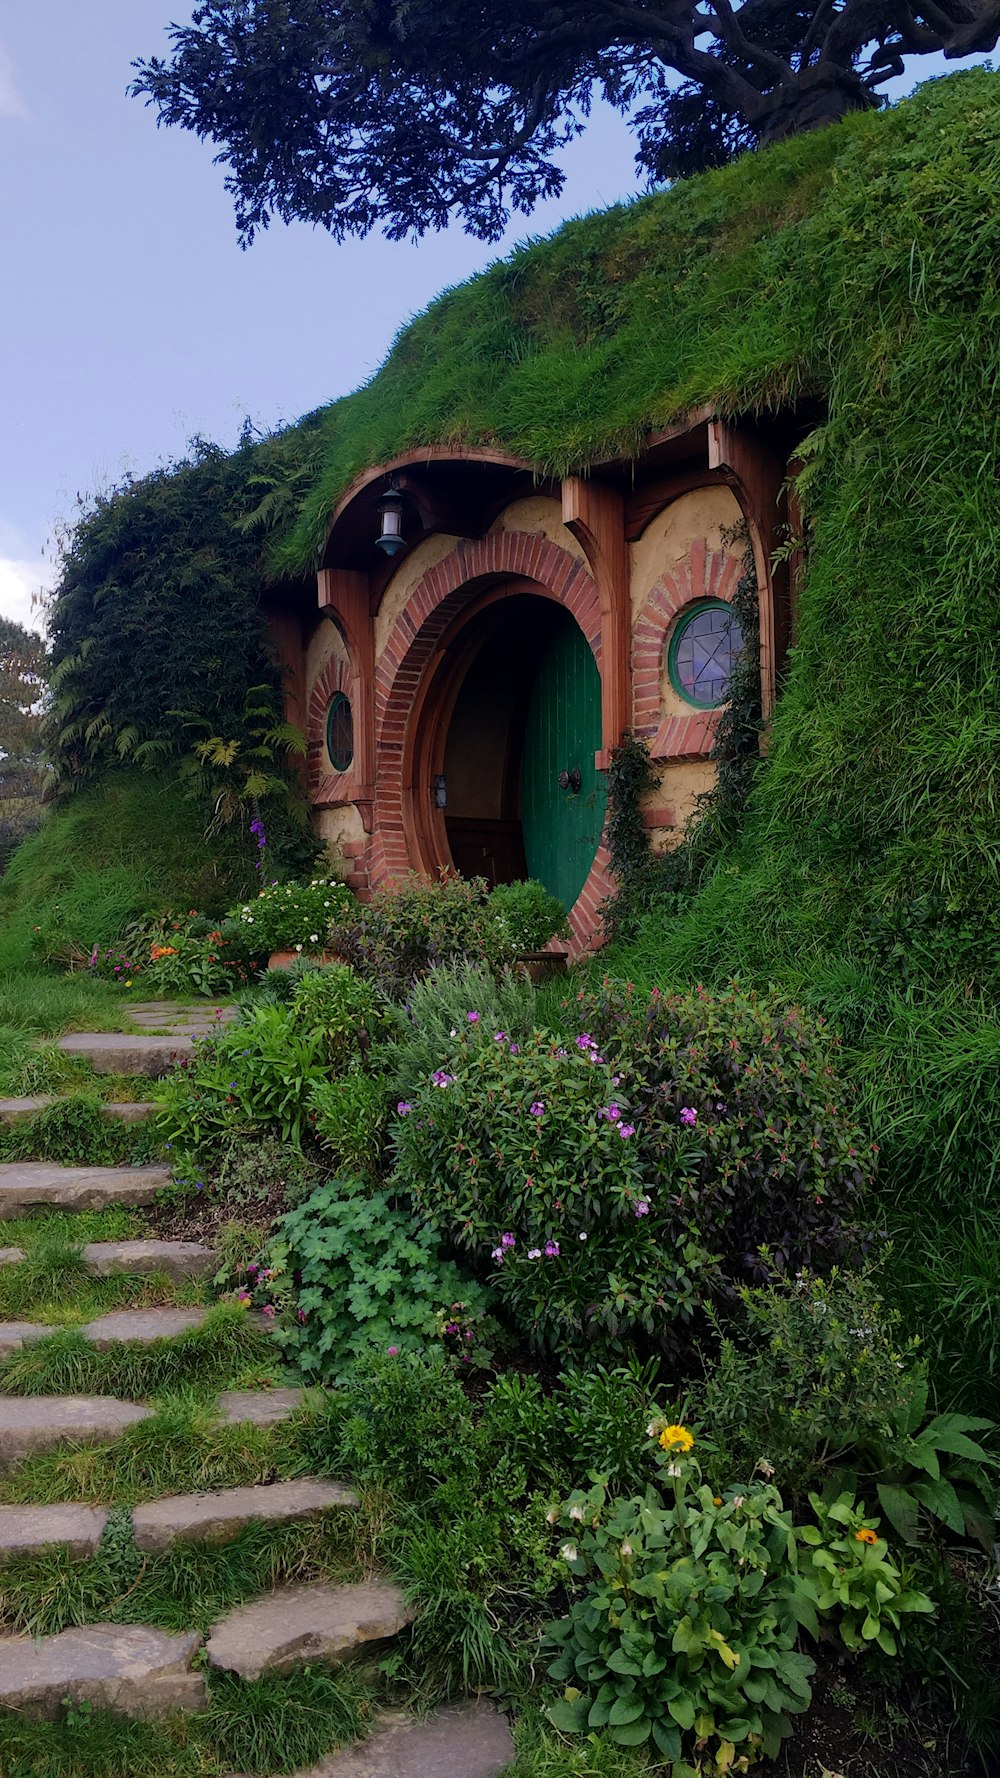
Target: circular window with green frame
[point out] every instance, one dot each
(340, 731)
(704, 648)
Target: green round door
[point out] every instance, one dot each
(563, 796)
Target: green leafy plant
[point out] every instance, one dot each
(817, 1379)
(856, 1585)
(349, 1273)
(408, 927)
(347, 1012)
(257, 1074)
(526, 915)
(682, 1631)
(431, 1023)
(347, 1117)
(293, 916)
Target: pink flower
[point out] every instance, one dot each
(537, 1109)
(508, 1240)
(552, 1250)
(393, 1351)
(689, 1115)
(626, 1130)
(268, 1310)
(404, 1107)
(499, 1037)
(642, 1208)
(441, 1079)
(473, 1018)
(585, 1041)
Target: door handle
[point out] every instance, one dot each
(570, 780)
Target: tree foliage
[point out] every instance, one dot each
(24, 671)
(401, 114)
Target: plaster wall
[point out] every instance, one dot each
(404, 581)
(325, 644)
(666, 811)
(540, 516)
(667, 539)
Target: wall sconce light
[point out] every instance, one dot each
(390, 538)
(440, 791)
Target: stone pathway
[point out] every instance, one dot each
(139, 1670)
(126, 1111)
(27, 1186)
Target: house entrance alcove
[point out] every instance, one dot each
(509, 728)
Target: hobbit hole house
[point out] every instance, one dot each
(483, 637)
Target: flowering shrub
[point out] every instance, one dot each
(525, 1156)
(180, 954)
(682, 1632)
(409, 926)
(294, 916)
(348, 1274)
(774, 1159)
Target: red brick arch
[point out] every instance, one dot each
(501, 564)
(327, 788)
(705, 574)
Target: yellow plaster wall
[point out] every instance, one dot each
(334, 826)
(680, 786)
(425, 556)
(705, 512)
(540, 515)
(325, 644)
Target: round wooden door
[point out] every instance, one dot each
(563, 796)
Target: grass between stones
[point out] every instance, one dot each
(182, 1448)
(189, 1587)
(260, 1726)
(224, 1351)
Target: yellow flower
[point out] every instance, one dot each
(676, 1438)
(716, 1499)
(866, 1537)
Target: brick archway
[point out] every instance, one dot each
(327, 788)
(477, 571)
(705, 574)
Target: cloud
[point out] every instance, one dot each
(20, 582)
(11, 103)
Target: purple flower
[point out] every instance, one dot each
(552, 1250)
(515, 1049)
(508, 1240)
(561, 1052)
(688, 1115)
(613, 1112)
(404, 1107)
(534, 1253)
(393, 1351)
(497, 1254)
(537, 1108)
(441, 1079)
(473, 1018)
(585, 1041)
(499, 1037)
(642, 1208)
(626, 1130)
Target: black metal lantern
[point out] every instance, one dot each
(390, 538)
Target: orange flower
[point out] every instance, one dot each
(163, 951)
(866, 1537)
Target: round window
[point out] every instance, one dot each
(340, 732)
(703, 651)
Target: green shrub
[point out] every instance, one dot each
(513, 1154)
(527, 916)
(590, 1420)
(257, 1074)
(349, 1273)
(347, 1012)
(430, 1025)
(773, 1167)
(410, 926)
(408, 1424)
(855, 1584)
(293, 916)
(821, 1385)
(347, 1118)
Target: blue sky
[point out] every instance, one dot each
(129, 317)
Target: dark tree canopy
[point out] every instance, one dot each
(402, 114)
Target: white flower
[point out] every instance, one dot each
(553, 1515)
(568, 1552)
(313, 936)
(738, 1499)
(583, 1237)
(625, 1549)
(654, 1429)
(576, 1512)
(673, 1470)
(536, 1253)
(298, 947)
(766, 1468)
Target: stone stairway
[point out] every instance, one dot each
(143, 1670)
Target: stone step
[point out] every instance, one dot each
(12, 1256)
(218, 1517)
(30, 1423)
(127, 1668)
(126, 1111)
(31, 1530)
(258, 1407)
(116, 1052)
(26, 1186)
(169, 1259)
(121, 1326)
(158, 1015)
(15, 1334)
(463, 1741)
(306, 1626)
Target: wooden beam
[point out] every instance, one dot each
(757, 477)
(595, 514)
